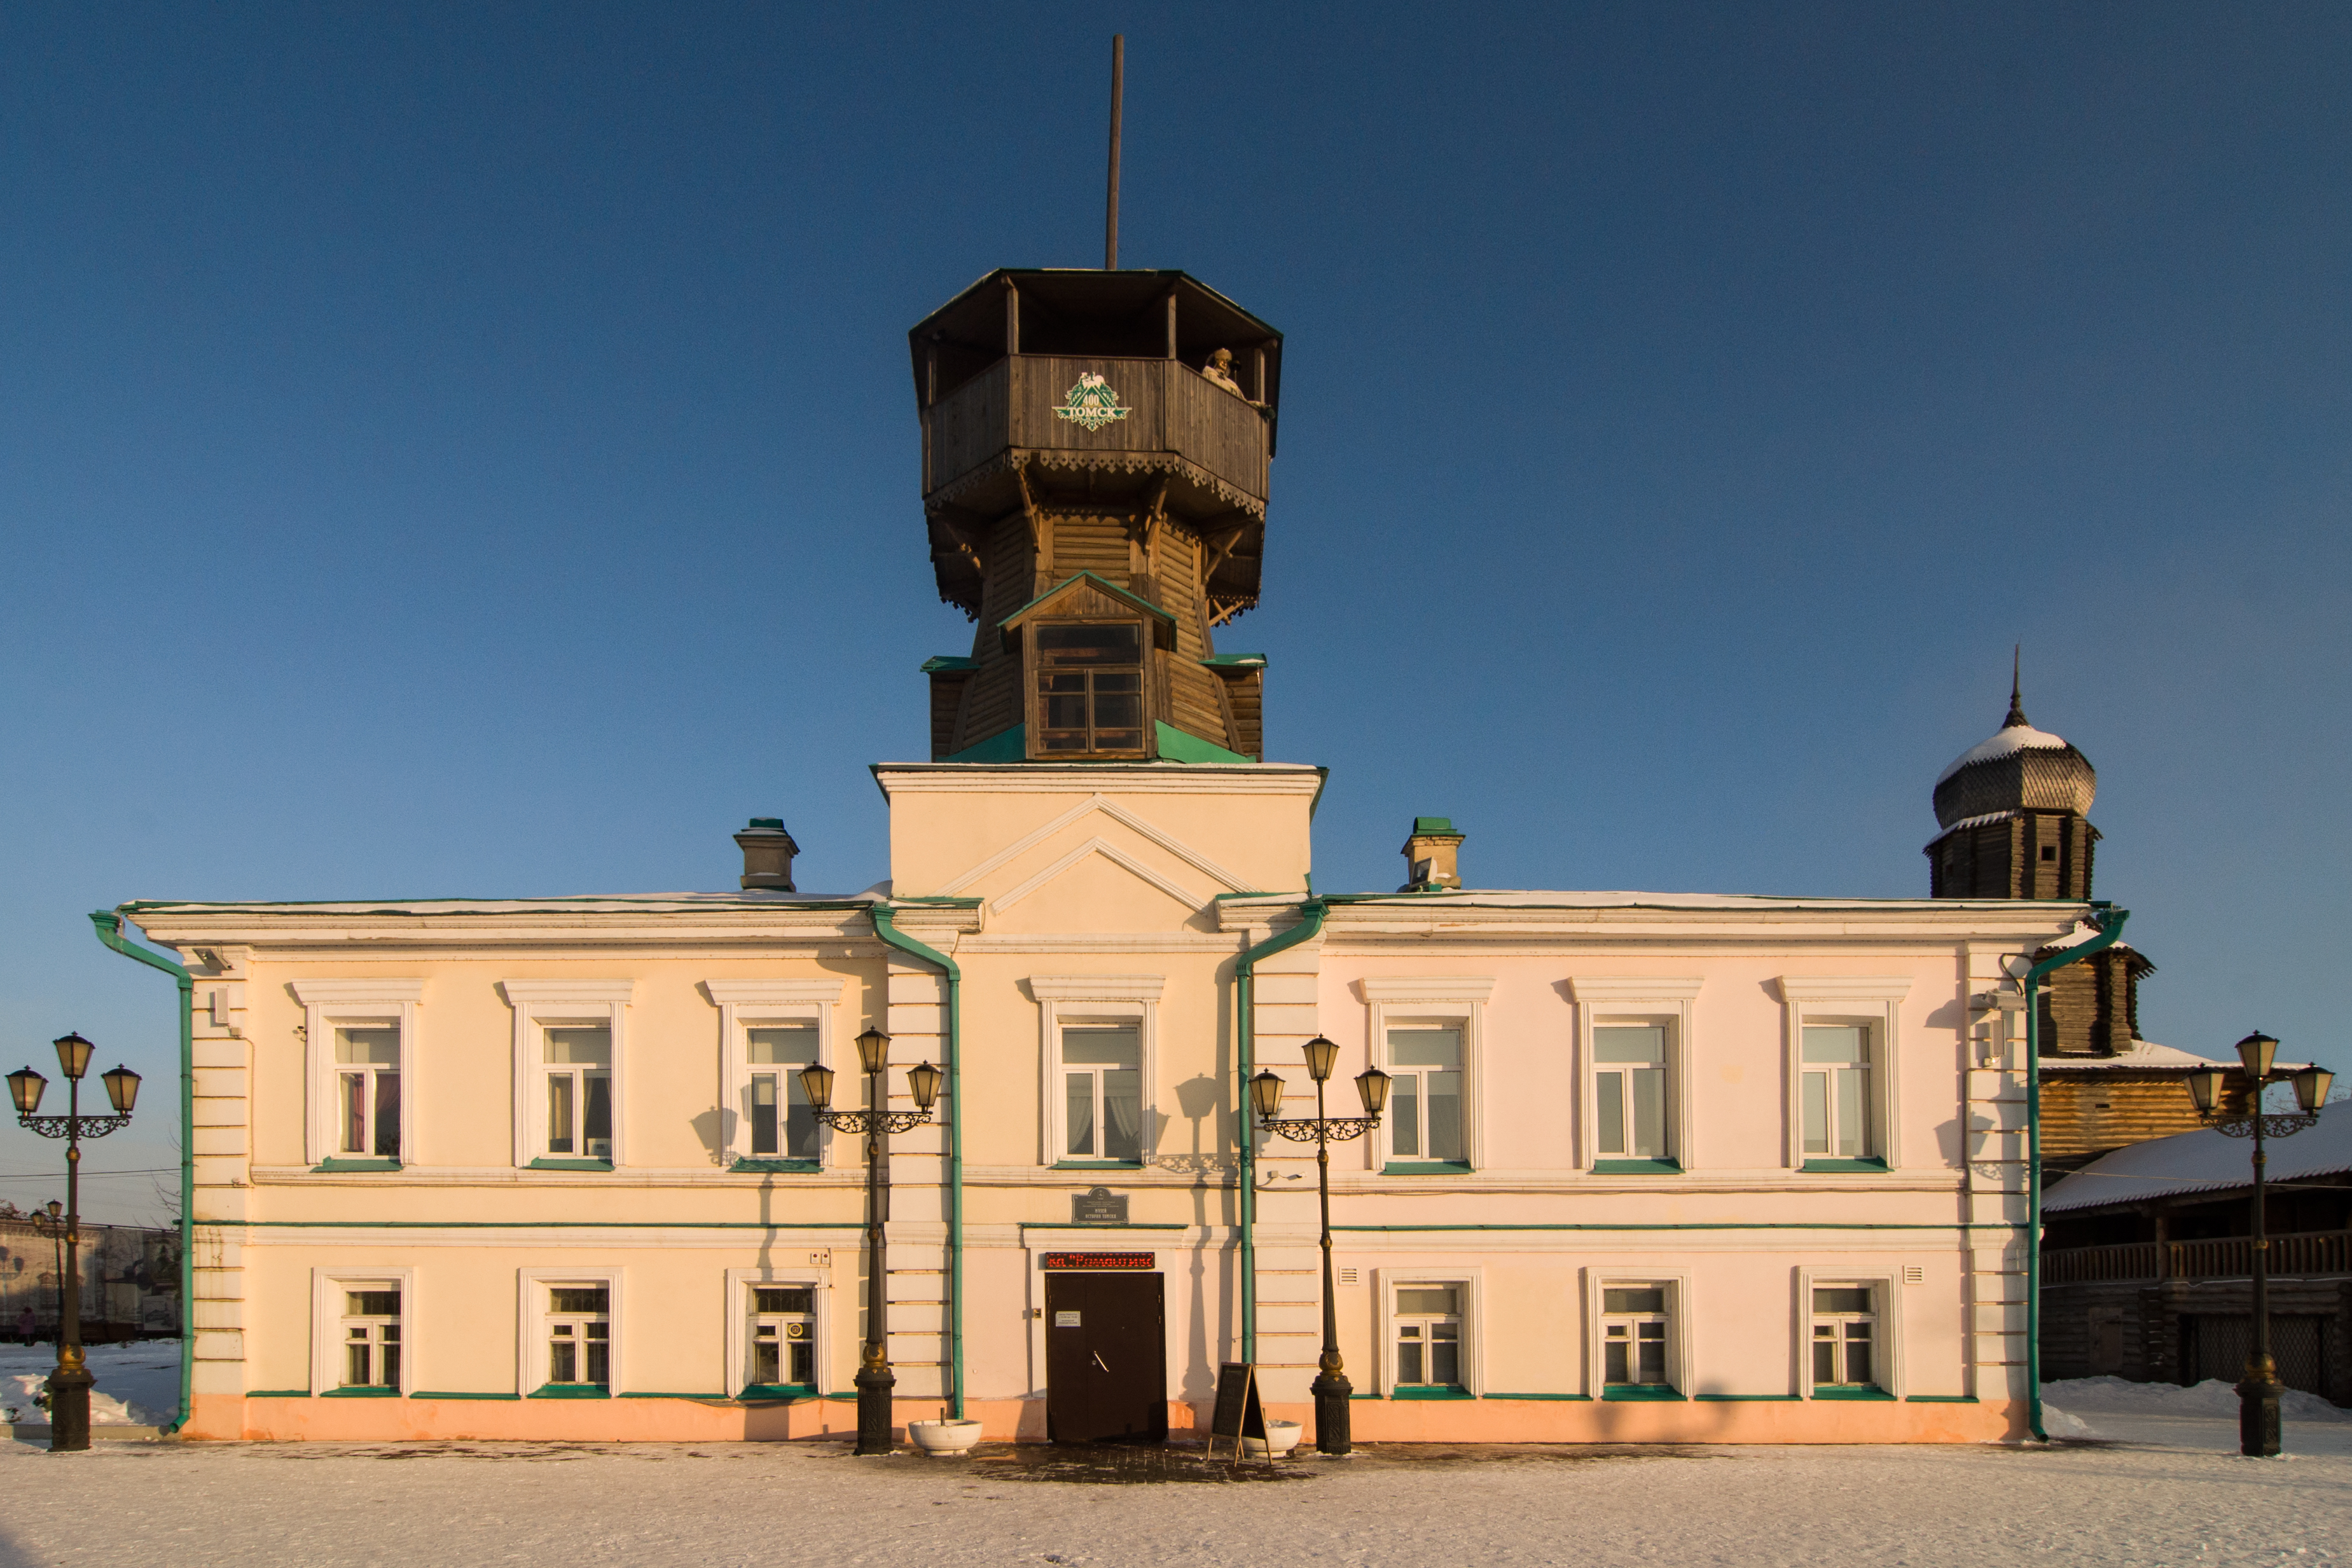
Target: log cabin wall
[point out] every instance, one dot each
(2006, 859)
(2087, 1113)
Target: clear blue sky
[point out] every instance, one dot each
(469, 450)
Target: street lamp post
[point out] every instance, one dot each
(2258, 1390)
(878, 1122)
(69, 1383)
(1331, 1387)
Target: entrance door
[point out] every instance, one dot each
(1105, 1359)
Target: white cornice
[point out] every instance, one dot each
(1633, 989)
(1097, 988)
(520, 991)
(346, 993)
(1427, 988)
(1829, 987)
(755, 991)
(1091, 777)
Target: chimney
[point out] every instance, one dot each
(1429, 856)
(768, 853)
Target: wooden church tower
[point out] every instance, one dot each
(1096, 447)
(2014, 810)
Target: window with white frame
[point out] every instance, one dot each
(360, 1042)
(371, 1335)
(576, 1068)
(769, 1031)
(1845, 1336)
(1427, 1115)
(782, 1338)
(1097, 1103)
(1835, 1096)
(579, 1328)
(1102, 1092)
(1636, 1336)
(367, 1090)
(569, 1056)
(1426, 1329)
(1629, 1091)
(1843, 1048)
(778, 1122)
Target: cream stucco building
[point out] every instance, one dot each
(1655, 1166)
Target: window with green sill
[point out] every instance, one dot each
(579, 1328)
(1845, 1336)
(1634, 1323)
(1102, 1094)
(367, 1091)
(1427, 1327)
(1427, 1125)
(782, 1342)
(1836, 1093)
(1628, 1096)
(576, 1065)
(370, 1329)
(781, 1123)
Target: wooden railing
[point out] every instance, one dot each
(2301, 1254)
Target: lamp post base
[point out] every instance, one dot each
(69, 1406)
(874, 1386)
(1332, 1434)
(2258, 1412)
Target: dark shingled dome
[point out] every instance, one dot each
(2019, 768)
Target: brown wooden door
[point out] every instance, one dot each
(1105, 1359)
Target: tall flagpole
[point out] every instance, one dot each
(1117, 91)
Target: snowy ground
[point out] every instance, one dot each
(2127, 1499)
(138, 1382)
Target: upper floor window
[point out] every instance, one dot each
(1090, 686)
(1102, 1093)
(1425, 1114)
(577, 1066)
(569, 1056)
(777, 1115)
(367, 1090)
(1835, 1094)
(359, 1046)
(1629, 1081)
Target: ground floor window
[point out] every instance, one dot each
(1428, 1324)
(1633, 1327)
(578, 1336)
(371, 1325)
(1845, 1333)
(783, 1338)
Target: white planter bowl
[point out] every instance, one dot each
(1281, 1437)
(944, 1436)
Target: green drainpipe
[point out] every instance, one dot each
(2109, 921)
(1310, 924)
(947, 965)
(110, 931)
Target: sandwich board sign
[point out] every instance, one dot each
(1238, 1413)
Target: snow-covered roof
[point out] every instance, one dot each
(2005, 742)
(2143, 1054)
(2204, 1161)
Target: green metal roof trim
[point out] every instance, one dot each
(938, 663)
(1422, 825)
(1145, 605)
(1235, 661)
(1182, 746)
(1004, 746)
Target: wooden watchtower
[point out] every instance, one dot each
(1096, 447)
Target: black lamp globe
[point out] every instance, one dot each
(1265, 1095)
(874, 1050)
(923, 1082)
(2311, 1087)
(24, 1087)
(816, 1082)
(2257, 1052)
(2205, 1088)
(1372, 1088)
(1321, 1055)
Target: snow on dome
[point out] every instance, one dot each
(2005, 742)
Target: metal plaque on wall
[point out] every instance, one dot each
(1098, 1206)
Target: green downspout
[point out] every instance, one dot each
(947, 965)
(2109, 921)
(110, 931)
(1310, 924)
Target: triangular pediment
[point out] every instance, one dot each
(1090, 598)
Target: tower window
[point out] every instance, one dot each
(1090, 686)
(2049, 852)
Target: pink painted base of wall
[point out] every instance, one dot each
(296, 1419)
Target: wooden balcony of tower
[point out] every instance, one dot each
(1089, 438)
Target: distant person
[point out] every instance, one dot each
(27, 1327)
(1219, 371)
